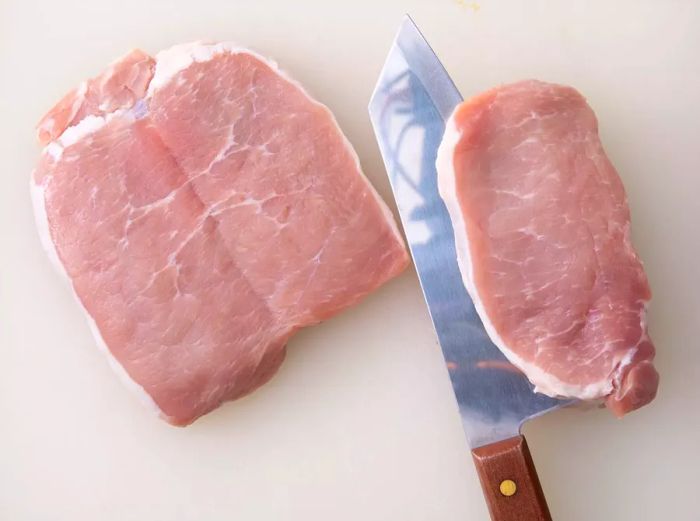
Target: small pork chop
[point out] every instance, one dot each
(542, 230)
(205, 208)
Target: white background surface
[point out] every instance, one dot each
(360, 423)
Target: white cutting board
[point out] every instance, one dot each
(360, 423)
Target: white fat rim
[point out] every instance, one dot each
(85, 127)
(42, 224)
(544, 382)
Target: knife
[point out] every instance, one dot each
(413, 98)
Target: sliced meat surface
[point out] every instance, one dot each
(542, 230)
(205, 219)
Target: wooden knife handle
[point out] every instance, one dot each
(511, 486)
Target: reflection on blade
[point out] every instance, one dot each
(413, 98)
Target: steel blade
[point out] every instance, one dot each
(413, 98)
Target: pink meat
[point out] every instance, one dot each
(201, 230)
(123, 83)
(542, 229)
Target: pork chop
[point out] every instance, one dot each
(204, 208)
(542, 231)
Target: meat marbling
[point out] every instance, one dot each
(542, 230)
(204, 208)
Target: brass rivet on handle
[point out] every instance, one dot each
(508, 487)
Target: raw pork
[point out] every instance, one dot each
(542, 230)
(204, 208)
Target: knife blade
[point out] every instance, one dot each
(413, 98)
